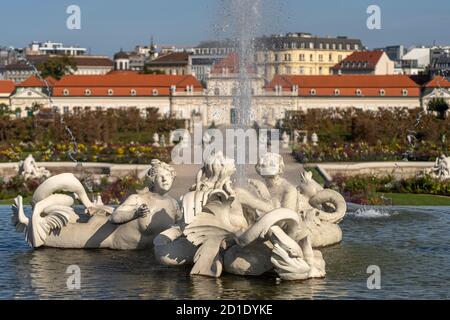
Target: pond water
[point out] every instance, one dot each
(411, 245)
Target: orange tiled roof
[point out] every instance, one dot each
(123, 84)
(231, 63)
(360, 60)
(438, 82)
(34, 81)
(347, 85)
(7, 87)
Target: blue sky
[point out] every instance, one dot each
(108, 25)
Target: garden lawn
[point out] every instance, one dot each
(6, 202)
(408, 199)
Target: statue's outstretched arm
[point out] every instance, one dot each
(131, 209)
(248, 199)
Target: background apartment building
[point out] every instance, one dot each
(301, 54)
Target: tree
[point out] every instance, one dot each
(5, 110)
(152, 71)
(57, 67)
(438, 105)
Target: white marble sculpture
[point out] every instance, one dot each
(267, 226)
(156, 140)
(285, 139)
(250, 233)
(315, 139)
(133, 225)
(29, 169)
(321, 209)
(441, 169)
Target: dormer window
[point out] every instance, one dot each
(405, 92)
(295, 88)
(155, 92)
(110, 92)
(133, 92)
(382, 92)
(87, 92)
(190, 88)
(313, 92)
(337, 92)
(278, 89)
(66, 92)
(358, 92)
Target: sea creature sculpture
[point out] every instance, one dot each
(132, 225)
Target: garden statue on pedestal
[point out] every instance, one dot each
(133, 225)
(156, 140)
(441, 169)
(285, 138)
(29, 169)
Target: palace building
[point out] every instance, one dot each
(183, 97)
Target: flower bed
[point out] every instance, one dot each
(111, 153)
(366, 189)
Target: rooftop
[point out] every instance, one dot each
(178, 58)
(438, 82)
(347, 85)
(6, 87)
(34, 81)
(123, 84)
(366, 60)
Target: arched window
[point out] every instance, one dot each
(313, 92)
(155, 92)
(87, 92)
(66, 92)
(110, 92)
(382, 92)
(358, 92)
(133, 92)
(405, 92)
(337, 92)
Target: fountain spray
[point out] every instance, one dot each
(244, 18)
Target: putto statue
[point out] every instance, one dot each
(29, 169)
(133, 225)
(268, 226)
(250, 233)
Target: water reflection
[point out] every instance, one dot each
(411, 246)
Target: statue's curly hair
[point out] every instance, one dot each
(155, 166)
(266, 157)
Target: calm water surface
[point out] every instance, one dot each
(411, 245)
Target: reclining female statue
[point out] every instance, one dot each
(133, 225)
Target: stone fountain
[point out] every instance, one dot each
(215, 227)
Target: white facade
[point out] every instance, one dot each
(421, 55)
(56, 48)
(385, 66)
